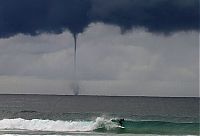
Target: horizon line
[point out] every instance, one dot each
(102, 95)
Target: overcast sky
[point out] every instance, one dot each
(113, 58)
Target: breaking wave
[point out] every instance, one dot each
(50, 125)
(100, 125)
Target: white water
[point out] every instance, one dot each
(58, 126)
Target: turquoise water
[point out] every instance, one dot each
(66, 115)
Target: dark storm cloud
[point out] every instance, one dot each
(154, 15)
(54, 16)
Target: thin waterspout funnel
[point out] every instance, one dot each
(75, 84)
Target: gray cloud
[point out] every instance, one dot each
(136, 63)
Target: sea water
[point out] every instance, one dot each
(97, 115)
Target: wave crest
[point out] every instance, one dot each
(50, 125)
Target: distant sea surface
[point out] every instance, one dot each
(98, 115)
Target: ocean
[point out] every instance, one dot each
(56, 115)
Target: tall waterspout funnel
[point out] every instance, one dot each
(75, 82)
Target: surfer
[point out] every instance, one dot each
(121, 122)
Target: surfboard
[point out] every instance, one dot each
(120, 127)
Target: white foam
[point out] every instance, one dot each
(50, 125)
